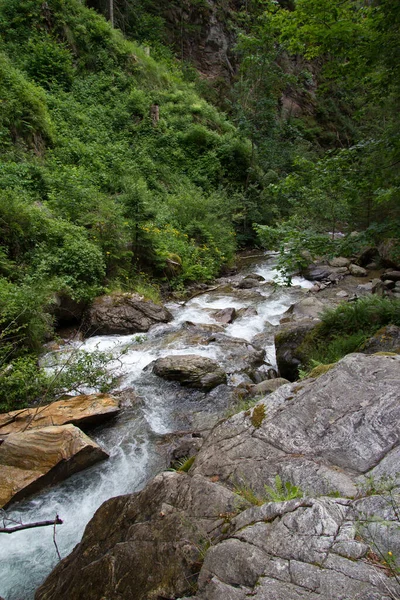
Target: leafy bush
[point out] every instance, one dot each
(23, 382)
(24, 114)
(24, 321)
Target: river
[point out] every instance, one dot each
(133, 440)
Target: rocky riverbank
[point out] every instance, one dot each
(332, 440)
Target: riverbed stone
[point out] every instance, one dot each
(339, 261)
(123, 314)
(33, 459)
(83, 410)
(191, 370)
(357, 271)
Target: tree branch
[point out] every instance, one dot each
(57, 521)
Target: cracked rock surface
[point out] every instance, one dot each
(193, 535)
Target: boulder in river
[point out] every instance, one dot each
(123, 314)
(357, 271)
(225, 315)
(33, 459)
(83, 410)
(191, 370)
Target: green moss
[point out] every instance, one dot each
(258, 415)
(320, 370)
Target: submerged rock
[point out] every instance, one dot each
(33, 459)
(191, 370)
(123, 314)
(80, 410)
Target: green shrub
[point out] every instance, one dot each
(23, 382)
(24, 114)
(24, 320)
(344, 329)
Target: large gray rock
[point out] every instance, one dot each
(123, 314)
(319, 434)
(144, 546)
(302, 549)
(191, 370)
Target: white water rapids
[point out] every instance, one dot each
(133, 439)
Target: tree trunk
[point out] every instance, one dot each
(111, 12)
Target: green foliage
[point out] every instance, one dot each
(24, 115)
(184, 464)
(23, 381)
(24, 321)
(344, 329)
(282, 491)
(367, 314)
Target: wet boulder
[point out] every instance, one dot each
(123, 314)
(247, 283)
(83, 410)
(389, 252)
(225, 315)
(191, 370)
(391, 275)
(33, 459)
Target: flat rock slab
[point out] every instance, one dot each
(83, 410)
(318, 434)
(36, 458)
(123, 314)
(191, 370)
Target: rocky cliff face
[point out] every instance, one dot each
(336, 438)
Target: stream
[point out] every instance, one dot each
(136, 440)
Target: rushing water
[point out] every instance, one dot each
(133, 439)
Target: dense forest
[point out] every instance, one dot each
(135, 159)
